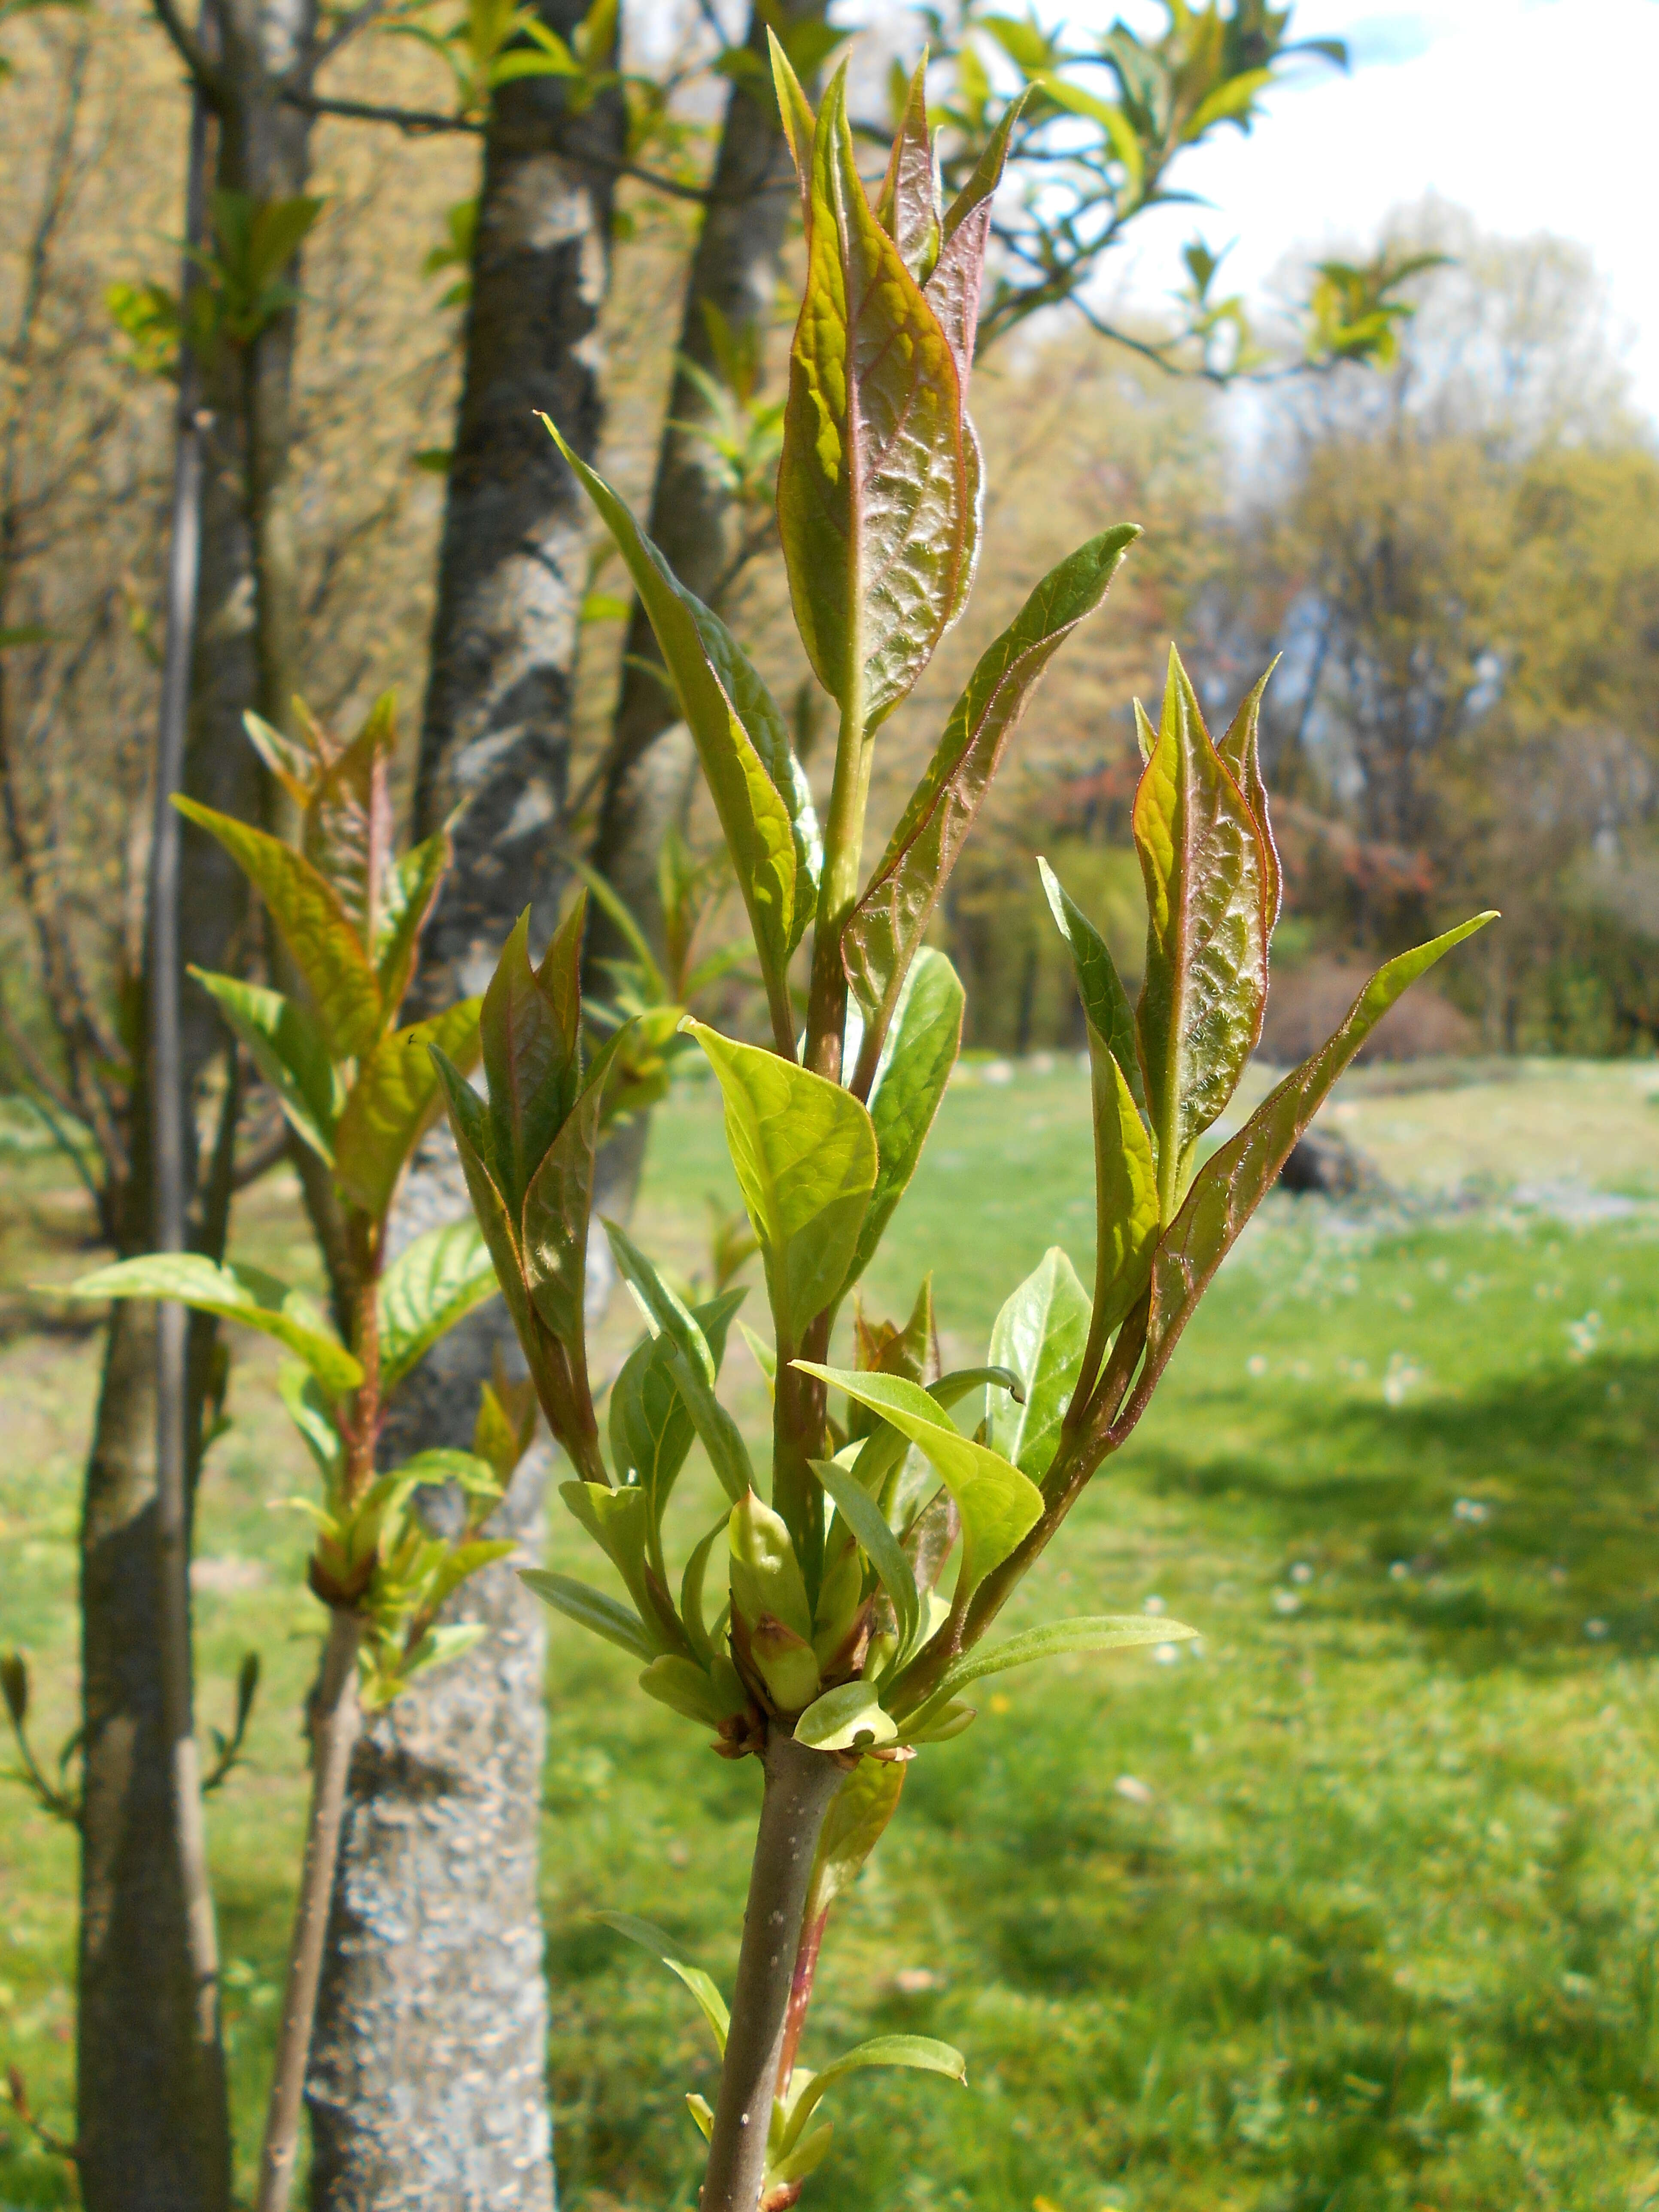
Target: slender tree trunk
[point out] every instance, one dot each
(428, 2085)
(736, 269)
(148, 2134)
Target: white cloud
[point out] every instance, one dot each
(1534, 114)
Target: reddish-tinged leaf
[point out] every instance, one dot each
(889, 921)
(907, 206)
(347, 835)
(531, 1066)
(874, 507)
(411, 893)
(557, 1208)
(1233, 1182)
(393, 1099)
(1202, 861)
(1239, 748)
(314, 926)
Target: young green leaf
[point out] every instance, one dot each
(702, 1986)
(846, 1719)
(590, 1608)
(766, 1576)
(918, 2050)
(619, 1522)
(863, 1515)
(888, 924)
(759, 789)
(1126, 1207)
(1040, 1333)
(1235, 1179)
(244, 1294)
(1100, 1632)
(874, 508)
(999, 1506)
(853, 1826)
(391, 1102)
(691, 1610)
(786, 1663)
(687, 1689)
(288, 1052)
(314, 926)
(1201, 859)
(804, 1152)
(434, 1282)
(1105, 1001)
(651, 1432)
(915, 1067)
(691, 1362)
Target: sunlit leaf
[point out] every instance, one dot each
(590, 1608)
(288, 1052)
(1040, 1333)
(805, 1153)
(393, 1099)
(434, 1282)
(863, 1515)
(998, 1504)
(1101, 1632)
(917, 2051)
(243, 1294)
(314, 926)
(921, 1051)
(889, 921)
(702, 1986)
(844, 1718)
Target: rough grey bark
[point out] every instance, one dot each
(150, 2134)
(428, 2085)
(736, 269)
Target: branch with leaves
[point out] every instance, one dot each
(359, 1091)
(859, 1592)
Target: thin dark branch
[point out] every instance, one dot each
(193, 53)
(420, 122)
(356, 19)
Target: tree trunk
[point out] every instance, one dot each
(428, 2085)
(151, 2131)
(736, 269)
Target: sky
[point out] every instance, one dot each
(1533, 114)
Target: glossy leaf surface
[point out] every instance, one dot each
(1236, 1178)
(590, 1608)
(393, 1100)
(845, 1718)
(759, 790)
(690, 1362)
(874, 509)
(922, 1044)
(891, 918)
(1105, 1001)
(863, 1515)
(244, 1294)
(998, 1504)
(1201, 860)
(1040, 1333)
(916, 2051)
(434, 1282)
(289, 1053)
(805, 1153)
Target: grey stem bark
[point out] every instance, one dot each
(336, 1718)
(427, 2083)
(146, 2140)
(737, 267)
(800, 1786)
(211, 2128)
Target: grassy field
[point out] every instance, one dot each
(1350, 1907)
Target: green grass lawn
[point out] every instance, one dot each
(1349, 1906)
